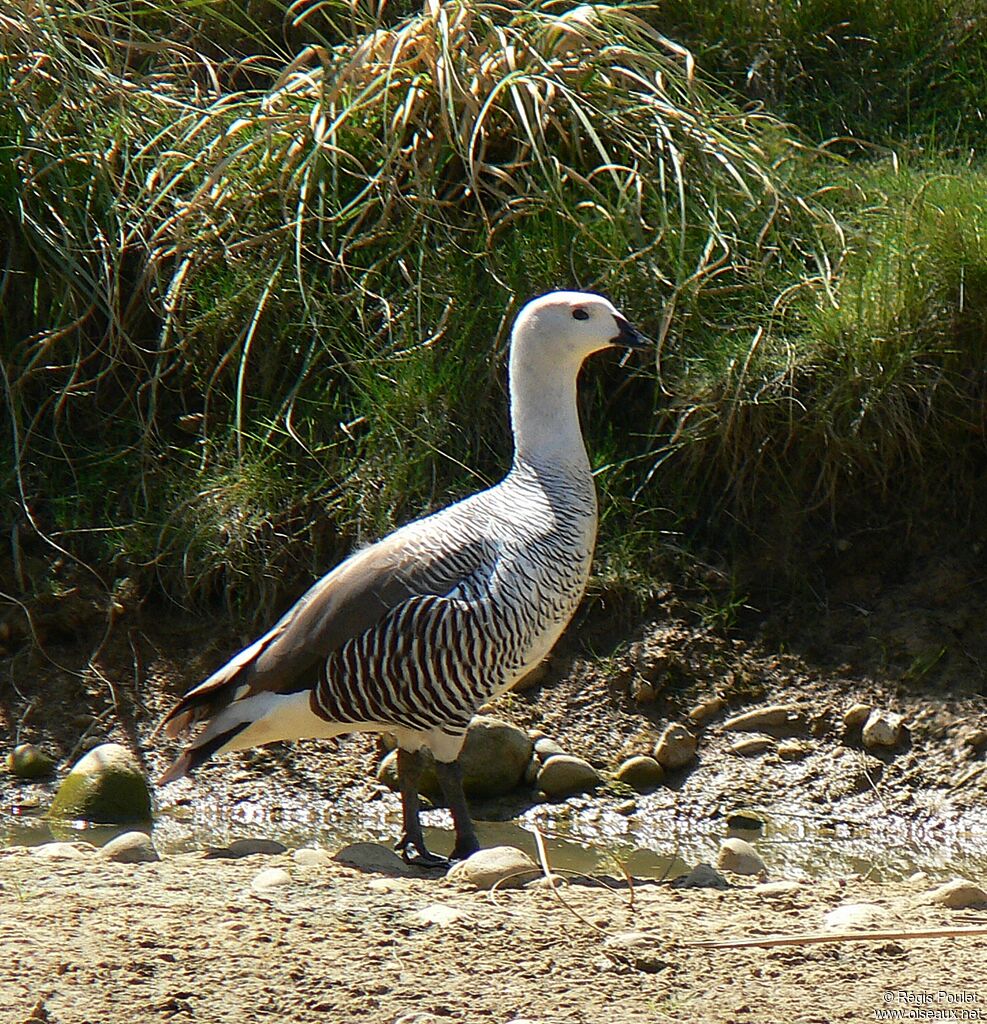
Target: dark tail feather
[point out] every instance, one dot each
(193, 756)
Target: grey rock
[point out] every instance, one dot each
(106, 785)
(546, 747)
(505, 867)
(883, 729)
(564, 775)
(494, 759)
(130, 848)
(246, 848)
(26, 761)
(738, 856)
(752, 746)
(676, 747)
(702, 876)
(641, 773)
(958, 894)
(777, 719)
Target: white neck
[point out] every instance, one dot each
(544, 414)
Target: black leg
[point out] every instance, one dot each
(411, 845)
(451, 780)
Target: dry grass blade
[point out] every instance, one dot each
(819, 938)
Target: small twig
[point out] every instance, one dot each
(817, 938)
(543, 860)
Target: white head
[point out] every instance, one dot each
(566, 327)
(552, 336)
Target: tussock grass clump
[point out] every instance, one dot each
(861, 400)
(254, 298)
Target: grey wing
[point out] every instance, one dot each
(345, 603)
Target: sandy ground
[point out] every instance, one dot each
(86, 941)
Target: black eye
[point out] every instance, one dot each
(580, 314)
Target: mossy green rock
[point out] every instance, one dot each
(106, 785)
(494, 759)
(26, 761)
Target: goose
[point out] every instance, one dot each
(412, 634)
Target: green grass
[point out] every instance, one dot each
(261, 272)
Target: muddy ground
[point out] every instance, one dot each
(191, 939)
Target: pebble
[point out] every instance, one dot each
(131, 848)
(440, 914)
(785, 887)
(861, 916)
(747, 821)
(752, 746)
(702, 876)
(503, 866)
(62, 851)
(641, 773)
(738, 856)
(387, 885)
(882, 729)
(707, 711)
(793, 750)
(311, 857)
(626, 807)
(269, 878)
(564, 775)
(775, 718)
(546, 747)
(958, 894)
(372, 857)
(855, 716)
(249, 847)
(638, 948)
(676, 747)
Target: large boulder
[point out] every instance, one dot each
(106, 785)
(494, 758)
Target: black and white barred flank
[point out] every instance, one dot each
(433, 660)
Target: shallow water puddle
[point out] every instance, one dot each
(582, 836)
